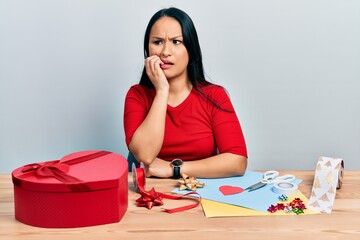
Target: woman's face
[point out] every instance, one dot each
(166, 42)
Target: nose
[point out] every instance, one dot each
(166, 51)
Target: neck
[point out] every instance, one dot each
(177, 87)
(178, 92)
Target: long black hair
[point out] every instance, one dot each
(195, 69)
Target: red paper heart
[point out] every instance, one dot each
(229, 190)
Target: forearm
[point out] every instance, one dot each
(221, 165)
(148, 137)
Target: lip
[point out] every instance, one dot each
(167, 61)
(166, 64)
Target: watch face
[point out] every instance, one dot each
(177, 162)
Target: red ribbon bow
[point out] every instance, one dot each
(54, 169)
(152, 198)
(149, 199)
(58, 170)
(45, 169)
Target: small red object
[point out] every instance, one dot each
(272, 208)
(149, 199)
(229, 190)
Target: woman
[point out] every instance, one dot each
(175, 120)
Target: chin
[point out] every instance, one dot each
(169, 76)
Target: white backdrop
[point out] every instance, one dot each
(292, 69)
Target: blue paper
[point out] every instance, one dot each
(259, 199)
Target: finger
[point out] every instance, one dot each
(147, 61)
(149, 64)
(155, 67)
(155, 63)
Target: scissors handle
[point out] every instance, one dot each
(284, 178)
(270, 175)
(273, 177)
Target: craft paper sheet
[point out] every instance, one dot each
(216, 209)
(258, 200)
(327, 176)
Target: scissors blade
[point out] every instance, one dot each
(255, 186)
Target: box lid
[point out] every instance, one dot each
(80, 171)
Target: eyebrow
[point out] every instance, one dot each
(172, 38)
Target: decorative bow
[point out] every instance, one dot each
(152, 198)
(58, 169)
(149, 199)
(189, 183)
(54, 169)
(296, 206)
(46, 169)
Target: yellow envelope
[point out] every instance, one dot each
(217, 209)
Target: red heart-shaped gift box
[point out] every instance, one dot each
(82, 189)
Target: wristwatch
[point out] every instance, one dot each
(176, 164)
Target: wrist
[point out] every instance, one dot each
(162, 90)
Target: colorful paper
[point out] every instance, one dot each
(217, 209)
(259, 199)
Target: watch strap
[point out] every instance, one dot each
(176, 172)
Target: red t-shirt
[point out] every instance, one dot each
(195, 129)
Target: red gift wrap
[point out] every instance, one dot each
(82, 189)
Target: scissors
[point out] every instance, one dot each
(271, 177)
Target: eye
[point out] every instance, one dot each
(177, 42)
(158, 42)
